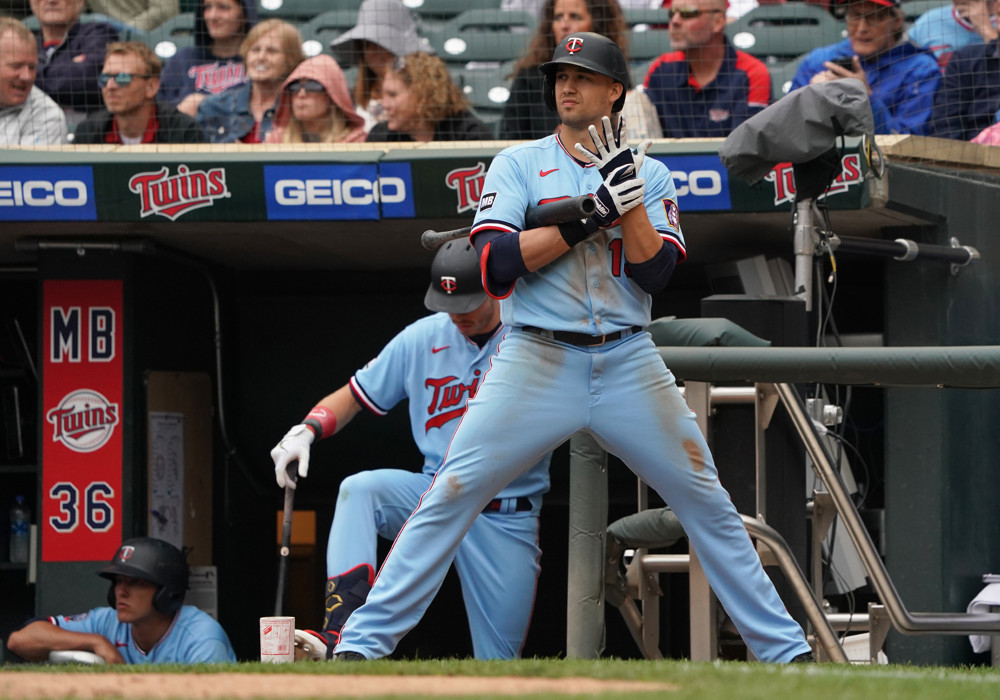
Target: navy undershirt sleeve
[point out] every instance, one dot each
(654, 274)
(504, 263)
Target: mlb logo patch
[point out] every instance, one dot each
(487, 201)
(673, 214)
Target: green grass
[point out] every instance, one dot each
(695, 681)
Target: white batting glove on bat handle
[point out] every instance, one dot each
(294, 446)
(612, 152)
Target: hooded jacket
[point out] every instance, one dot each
(68, 73)
(196, 69)
(327, 72)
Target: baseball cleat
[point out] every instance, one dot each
(310, 646)
(349, 656)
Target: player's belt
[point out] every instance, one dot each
(508, 505)
(572, 338)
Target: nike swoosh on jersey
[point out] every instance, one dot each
(435, 351)
(543, 173)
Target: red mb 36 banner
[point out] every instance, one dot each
(82, 437)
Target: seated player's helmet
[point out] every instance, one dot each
(152, 560)
(591, 51)
(456, 281)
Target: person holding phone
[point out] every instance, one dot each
(703, 87)
(901, 77)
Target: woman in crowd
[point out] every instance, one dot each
(245, 113)
(214, 63)
(525, 115)
(385, 30)
(422, 103)
(315, 106)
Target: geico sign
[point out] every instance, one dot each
(352, 192)
(701, 183)
(42, 193)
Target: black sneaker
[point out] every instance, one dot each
(349, 656)
(806, 658)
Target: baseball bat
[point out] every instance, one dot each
(286, 539)
(557, 212)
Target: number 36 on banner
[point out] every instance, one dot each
(96, 513)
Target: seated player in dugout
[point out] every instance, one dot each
(437, 363)
(146, 623)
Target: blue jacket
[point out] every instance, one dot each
(969, 96)
(69, 74)
(226, 118)
(196, 69)
(903, 81)
(741, 89)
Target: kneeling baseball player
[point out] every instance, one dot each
(437, 363)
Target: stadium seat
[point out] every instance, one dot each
(176, 33)
(299, 11)
(437, 12)
(487, 90)
(321, 29)
(778, 33)
(652, 17)
(645, 44)
(781, 76)
(31, 22)
(493, 36)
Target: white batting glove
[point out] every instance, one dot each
(640, 154)
(612, 151)
(620, 193)
(294, 446)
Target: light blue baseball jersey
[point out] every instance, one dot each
(588, 289)
(193, 637)
(438, 369)
(943, 31)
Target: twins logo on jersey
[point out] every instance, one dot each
(448, 399)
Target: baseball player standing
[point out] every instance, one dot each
(577, 358)
(438, 363)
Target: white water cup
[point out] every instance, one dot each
(277, 640)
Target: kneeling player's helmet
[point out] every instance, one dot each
(456, 281)
(153, 560)
(586, 50)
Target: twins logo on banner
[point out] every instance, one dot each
(82, 398)
(171, 196)
(783, 178)
(468, 185)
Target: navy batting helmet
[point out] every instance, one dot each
(153, 560)
(586, 50)
(456, 282)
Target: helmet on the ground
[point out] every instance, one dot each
(153, 560)
(456, 282)
(586, 50)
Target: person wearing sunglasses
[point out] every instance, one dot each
(704, 87)
(245, 113)
(316, 107)
(901, 78)
(423, 103)
(129, 82)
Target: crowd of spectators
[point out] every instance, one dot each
(66, 77)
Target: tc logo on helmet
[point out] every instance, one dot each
(449, 284)
(574, 44)
(126, 552)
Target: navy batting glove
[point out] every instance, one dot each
(619, 193)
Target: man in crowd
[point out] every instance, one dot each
(28, 117)
(704, 87)
(129, 82)
(146, 623)
(70, 55)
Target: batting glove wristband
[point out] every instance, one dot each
(621, 192)
(612, 151)
(294, 446)
(575, 231)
